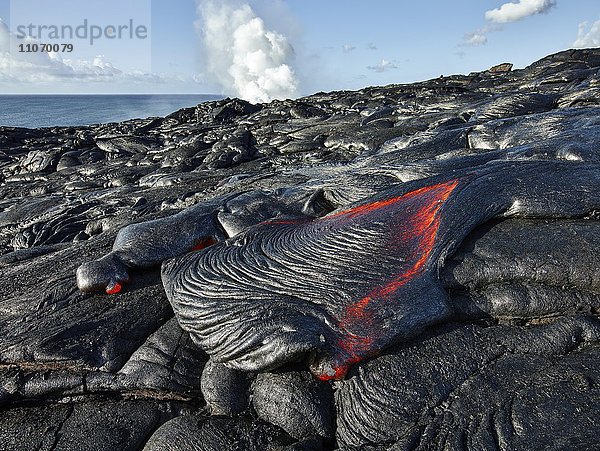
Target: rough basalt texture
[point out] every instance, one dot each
(277, 223)
(257, 300)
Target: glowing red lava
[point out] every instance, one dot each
(203, 243)
(417, 239)
(116, 288)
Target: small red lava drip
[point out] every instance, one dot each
(203, 243)
(117, 287)
(422, 227)
(354, 347)
(339, 372)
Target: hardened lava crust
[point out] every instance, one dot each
(405, 267)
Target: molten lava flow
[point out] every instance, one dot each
(415, 239)
(198, 245)
(203, 243)
(114, 289)
(378, 205)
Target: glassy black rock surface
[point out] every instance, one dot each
(397, 268)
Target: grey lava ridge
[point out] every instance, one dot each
(405, 267)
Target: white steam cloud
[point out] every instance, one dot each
(588, 38)
(242, 55)
(511, 12)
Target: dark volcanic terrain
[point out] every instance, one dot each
(397, 268)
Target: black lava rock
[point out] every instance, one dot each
(177, 283)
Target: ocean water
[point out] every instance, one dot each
(34, 111)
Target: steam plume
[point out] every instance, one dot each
(242, 55)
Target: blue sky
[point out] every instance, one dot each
(337, 44)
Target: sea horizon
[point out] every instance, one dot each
(76, 110)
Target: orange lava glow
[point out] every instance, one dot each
(116, 288)
(377, 205)
(203, 243)
(418, 233)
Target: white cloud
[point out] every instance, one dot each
(242, 55)
(507, 12)
(479, 37)
(511, 12)
(588, 38)
(383, 66)
(348, 48)
(28, 67)
(41, 68)
(476, 38)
